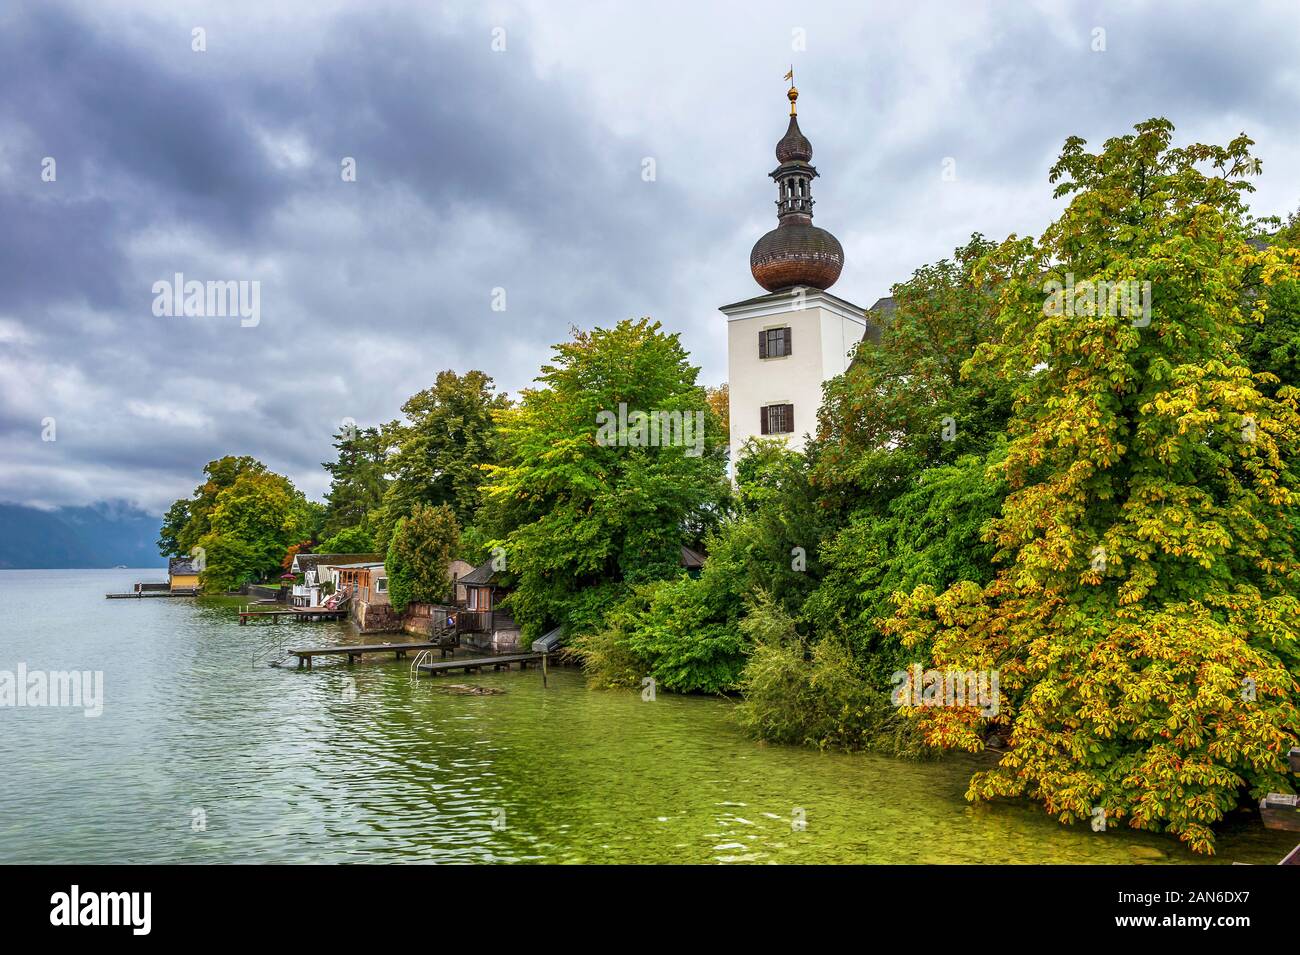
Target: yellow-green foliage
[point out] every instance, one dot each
(1144, 618)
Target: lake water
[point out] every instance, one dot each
(204, 753)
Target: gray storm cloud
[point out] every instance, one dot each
(518, 169)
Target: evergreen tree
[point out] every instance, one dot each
(442, 450)
(419, 556)
(358, 478)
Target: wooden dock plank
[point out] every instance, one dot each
(502, 661)
(299, 613)
(307, 654)
(155, 594)
(364, 648)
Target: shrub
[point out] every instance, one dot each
(814, 697)
(419, 555)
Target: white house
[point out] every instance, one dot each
(320, 573)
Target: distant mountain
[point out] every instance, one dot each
(102, 535)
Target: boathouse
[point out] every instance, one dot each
(320, 574)
(367, 581)
(182, 575)
(478, 594)
(367, 585)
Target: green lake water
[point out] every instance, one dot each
(362, 764)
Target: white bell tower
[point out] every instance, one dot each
(782, 346)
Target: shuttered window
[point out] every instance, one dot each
(776, 419)
(774, 342)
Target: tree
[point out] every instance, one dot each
(419, 556)
(719, 400)
(350, 540)
(592, 496)
(188, 520)
(400, 573)
(1144, 616)
(1272, 344)
(358, 477)
(302, 547)
(250, 527)
(173, 526)
(780, 524)
(911, 400)
(684, 631)
(891, 493)
(930, 534)
(443, 449)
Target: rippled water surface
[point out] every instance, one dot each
(287, 767)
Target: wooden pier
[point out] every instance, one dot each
(358, 650)
(471, 664)
(296, 613)
(135, 594)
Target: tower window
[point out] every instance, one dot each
(774, 342)
(776, 419)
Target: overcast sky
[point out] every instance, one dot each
(519, 169)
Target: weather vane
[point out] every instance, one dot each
(794, 93)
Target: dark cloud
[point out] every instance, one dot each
(521, 170)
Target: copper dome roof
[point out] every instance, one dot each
(796, 253)
(794, 145)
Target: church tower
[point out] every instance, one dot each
(781, 346)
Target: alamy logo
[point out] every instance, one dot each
(1113, 297)
(924, 688)
(103, 908)
(656, 429)
(195, 299)
(80, 689)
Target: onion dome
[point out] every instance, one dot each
(796, 252)
(792, 255)
(794, 145)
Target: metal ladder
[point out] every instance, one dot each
(424, 656)
(277, 646)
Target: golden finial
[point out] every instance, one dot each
(794, 93)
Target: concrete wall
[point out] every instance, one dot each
(418, 626)
(458, 569)
(375, 618)
(420, 618)
(500, 641)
